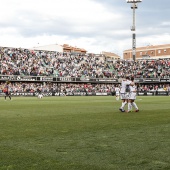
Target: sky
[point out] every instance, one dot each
(95, 25)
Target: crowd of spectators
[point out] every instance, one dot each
(17, 61)
(20, 87)
(144, 68)
(153, 87)
(25, 62)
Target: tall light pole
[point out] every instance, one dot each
(133, 28)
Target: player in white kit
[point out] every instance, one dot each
(117, 91)
(124, 92)
(132, 96)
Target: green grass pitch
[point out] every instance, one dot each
(84, 133)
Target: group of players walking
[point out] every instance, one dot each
(127, 94)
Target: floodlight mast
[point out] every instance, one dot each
(133, 28)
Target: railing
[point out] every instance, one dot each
(15, 78)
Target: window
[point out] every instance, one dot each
(164, 50)
(159, 51)
(141, 53)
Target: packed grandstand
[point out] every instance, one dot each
(32, 71)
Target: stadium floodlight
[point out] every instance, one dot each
(133, 28)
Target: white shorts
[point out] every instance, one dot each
(117, 93)
(124, 96)
(132, 96)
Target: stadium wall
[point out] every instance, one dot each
(14, 78)
(147, 93)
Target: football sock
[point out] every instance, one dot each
(134, 105)
(129, 106)
(123, 105)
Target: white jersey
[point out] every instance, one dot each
(124, 85)
(117, 90)
(132, 94)
(132, 88)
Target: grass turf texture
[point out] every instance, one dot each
(84, 133)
